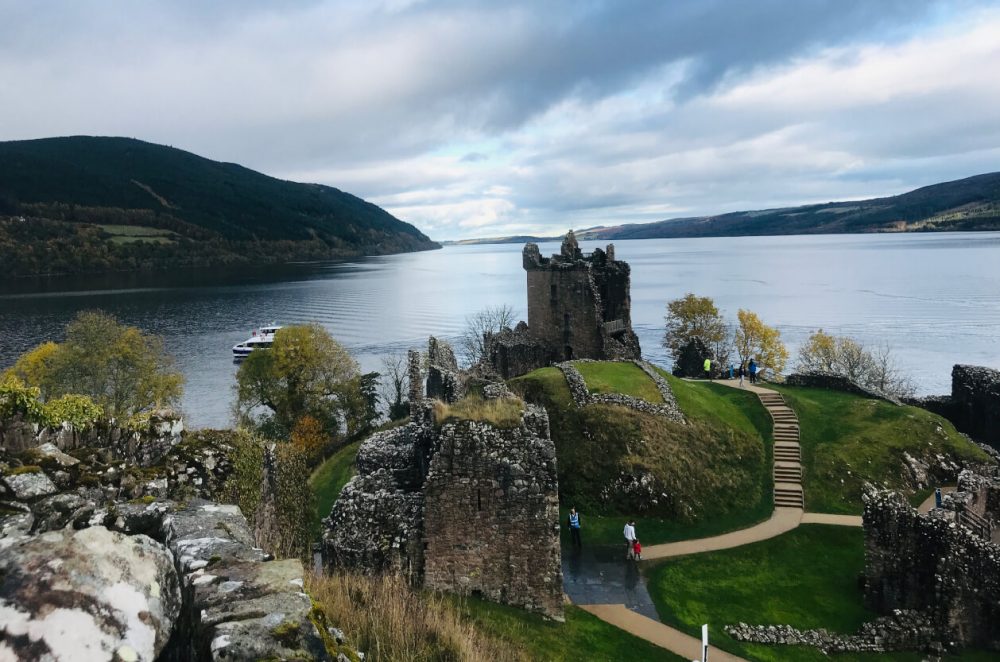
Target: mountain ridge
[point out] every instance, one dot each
(128, 204)
(967, 204)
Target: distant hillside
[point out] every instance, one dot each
(99, 204)
(972, 203)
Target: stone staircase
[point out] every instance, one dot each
(787, 452)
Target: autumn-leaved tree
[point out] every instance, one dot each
(119, 367)
(310, 437)
(753, 339)
(839, 355)
(696, 317)
(304, 372)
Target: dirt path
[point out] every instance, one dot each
(657, 633)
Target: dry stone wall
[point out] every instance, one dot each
(583, 397)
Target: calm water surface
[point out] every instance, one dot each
(935, 298)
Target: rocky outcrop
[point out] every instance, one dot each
(92, 594)
(463, 507)
(974, 404)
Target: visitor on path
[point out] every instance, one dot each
(574, 527)
(708, 369)
(753, 372)
(742, 372)
(637, 550)
(629, 537)
(731, 371)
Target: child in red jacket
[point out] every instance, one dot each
(637, 550)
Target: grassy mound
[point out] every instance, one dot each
(848, 439)
(807, 578)
(329, 479)
(625, 378)
(708, 476)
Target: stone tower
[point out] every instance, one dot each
(579, 307)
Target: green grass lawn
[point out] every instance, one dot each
(329, 479)
(625, 378)
(807, 578)
(848, 439)
(719, 465)
(582, 637)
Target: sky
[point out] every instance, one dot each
(472, 119)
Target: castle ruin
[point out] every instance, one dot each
(457, 505)
(579, 307)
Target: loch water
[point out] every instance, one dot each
(933, 298)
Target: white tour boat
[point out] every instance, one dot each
(261, 338)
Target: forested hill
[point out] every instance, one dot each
(972, 203)
(87, 204)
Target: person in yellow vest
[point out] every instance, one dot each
(708, 369)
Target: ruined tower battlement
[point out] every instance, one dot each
(579, 307)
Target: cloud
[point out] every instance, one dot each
(473, 118)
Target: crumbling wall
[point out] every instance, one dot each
(491, 517)
(975, 395)
(143, 444)
(443, 380)
(463, 507)
(932, 564)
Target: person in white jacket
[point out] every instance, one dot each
(629, 533)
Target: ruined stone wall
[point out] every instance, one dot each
(463, 507)
(491, 517)
(975, 395)
(143, 444)
(932, 564)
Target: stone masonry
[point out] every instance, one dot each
(465, 507)
(578, 307)
(974, 404)
(943, 565)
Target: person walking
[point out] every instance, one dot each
(732, 371)
(753, 372)
(708, 369)
(742, 373)
(629, 538)
(574, 527)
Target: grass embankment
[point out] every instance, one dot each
(707, 477)
(329, 479)
(625, 378)
(388, 620)
(807, 578)
(848, 439)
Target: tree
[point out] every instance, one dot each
(309, 437)
(119, 367)
(305, 371)
(839, 355)
(478, 328)
(696, 317)
(394, 384)
(754, 339)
